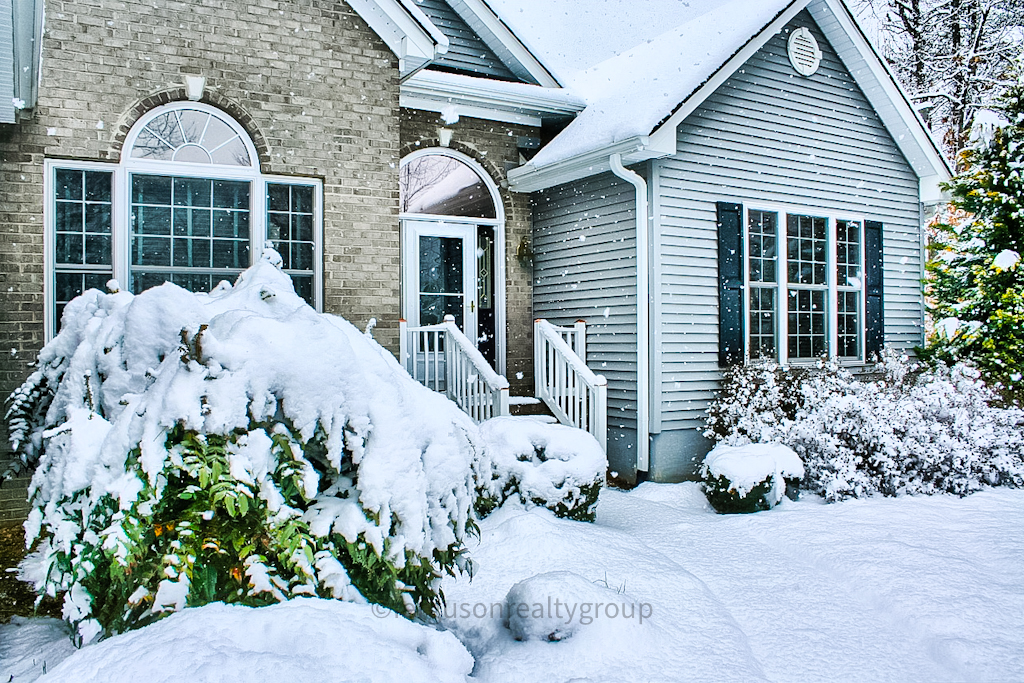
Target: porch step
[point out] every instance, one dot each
(528, 406)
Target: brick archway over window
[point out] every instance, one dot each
(230, 107)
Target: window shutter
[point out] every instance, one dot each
(874, 316)
(730, 283)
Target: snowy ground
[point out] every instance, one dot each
(924, 588)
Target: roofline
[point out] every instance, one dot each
(488, 99)
(917, 144)
(664, 133)
(405, 29)
(932, 153)
(632, 150)
(503, 41)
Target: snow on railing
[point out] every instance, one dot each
(442, 358)
(571, 390)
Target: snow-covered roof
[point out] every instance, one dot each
(640, 79)
(616, 55)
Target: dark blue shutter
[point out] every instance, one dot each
(730, 283)
(874, 321)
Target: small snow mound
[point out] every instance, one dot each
(747, 466)
(1006, 259)
(556, 605)
(302, 639)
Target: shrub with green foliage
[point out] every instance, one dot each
(234, 447)
(536, 464)
(976, 278)
(750, 478)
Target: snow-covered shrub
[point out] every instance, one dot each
(750, 478)
(909, 430)
(234, 446)
(550, 465)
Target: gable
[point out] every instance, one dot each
(467, 52)
(823, 125)
(645, 99)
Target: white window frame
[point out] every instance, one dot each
(121, 205)
(497, 223)
(782, 285)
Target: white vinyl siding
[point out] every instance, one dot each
(769, 135)
(584, 241)
(7, 111)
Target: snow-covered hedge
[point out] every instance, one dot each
(909, 430)
(237, 447)
(750, 478)
(550, 465)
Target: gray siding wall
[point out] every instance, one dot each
(466, 51)
(584, 241)
(768, 135)
(6, 62)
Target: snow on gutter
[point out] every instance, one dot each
(529, 178)
(643, 330)
(487, 99)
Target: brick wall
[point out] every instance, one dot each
(493, 144)
(315, 87)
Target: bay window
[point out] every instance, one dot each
(187, 204)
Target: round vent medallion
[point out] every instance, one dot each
(804, 53)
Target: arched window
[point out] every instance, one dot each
(187, 204)
(444, 185)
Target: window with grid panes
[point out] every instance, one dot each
(818, 273)
(187, 205)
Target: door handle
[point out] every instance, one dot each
(472, 306)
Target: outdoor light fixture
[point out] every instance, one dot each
(194, 86)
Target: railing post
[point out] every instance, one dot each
(503, 402)
(580, 347)
(538, 354)
(403, 345)
(602, 415)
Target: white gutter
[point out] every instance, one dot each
(530, 178)
(643, 330)
(487, 99)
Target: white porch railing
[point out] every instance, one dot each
(571, 390)
(442, 358)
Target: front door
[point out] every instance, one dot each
(440, 274)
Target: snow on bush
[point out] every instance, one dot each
(910, 430)
(554, 466)
(299, 640)
(234, 446)
(751, 477)
(555, 605)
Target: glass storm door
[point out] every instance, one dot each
(440, 275)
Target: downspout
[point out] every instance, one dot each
(643, 331)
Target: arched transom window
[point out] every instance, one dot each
(187, 204)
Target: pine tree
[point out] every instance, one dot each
(977, 283)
